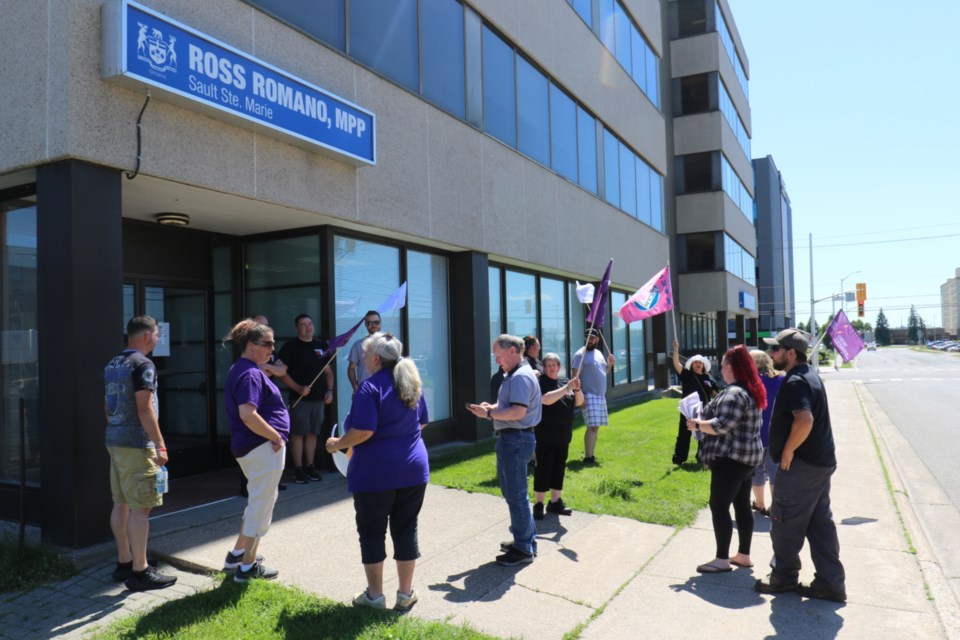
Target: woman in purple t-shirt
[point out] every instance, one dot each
(388, 470)
(259, 430)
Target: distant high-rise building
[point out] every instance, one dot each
(776, 309)
(950, 304)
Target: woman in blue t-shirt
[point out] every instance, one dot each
(259, 431)
(388, 470)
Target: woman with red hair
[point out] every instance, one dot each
(730, 447)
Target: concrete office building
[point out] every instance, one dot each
(715, 234)
(950, 305)
(489, 154)
(776, 308)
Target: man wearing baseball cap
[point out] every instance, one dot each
(801, 441)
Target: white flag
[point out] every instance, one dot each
(396, 300)
(584, 292)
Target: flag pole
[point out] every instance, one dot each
(309, 386)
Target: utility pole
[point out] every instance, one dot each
(813, 321)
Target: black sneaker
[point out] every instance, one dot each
(558, 507)
(148, 580)
(813, 590)
(124, 570)
(538, 511)
(256, 572)
(312, 474)
(299, 476)
(770, 586)
(232, 562)
(514, 557)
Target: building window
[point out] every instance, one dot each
(521, 303)
(638, 372)
(499, 88)
(442, 48)
(698, 252)
(553, 317)
(584, 10)
(282, 280)
(19, 339)
(563, 134)
(738, 261)
(732, 116)
(533, 107)
(628, 181)
(691, 17)
(587, 150)
(365, 274)
(611, 168)
(428, 331)
(734, 187)
(328, 25)
(731, 50)
(694, 94)
(696, 173)
(618, 340)
(384, 37)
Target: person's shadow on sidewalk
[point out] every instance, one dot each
(488, 581)
(795, 617)
(732, 590)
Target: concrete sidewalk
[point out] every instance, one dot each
(614, 578)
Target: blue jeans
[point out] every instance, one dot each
(514, 450)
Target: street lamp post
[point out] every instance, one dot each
(843, 295)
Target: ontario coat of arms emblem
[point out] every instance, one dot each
(156, 51)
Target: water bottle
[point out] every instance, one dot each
(162, 485)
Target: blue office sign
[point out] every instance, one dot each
(747, 301)
(145, 49)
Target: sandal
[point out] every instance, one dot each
(709, 567)
(741, 564)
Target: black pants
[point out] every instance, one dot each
(730, 484)
(400, 507)
(551, 467)
(681, 450)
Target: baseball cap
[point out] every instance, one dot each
(592, 332)
(790, 339)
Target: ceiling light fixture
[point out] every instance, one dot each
(173, 219)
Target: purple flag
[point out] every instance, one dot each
(846, 340)
(652, 299)
(341, 339)
(599, 307)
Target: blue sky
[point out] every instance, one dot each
(857, 103)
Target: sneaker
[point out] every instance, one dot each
(124, 570)
(769, 585)
(821, 593)
(232, 562)
(256, 572)
(538, 511)
(363, 600)
(404, 602)
(558, 507)
(514, 557)
(312, 474)
(148, 580)
(592, 460)
(299, 476)
(282, 486)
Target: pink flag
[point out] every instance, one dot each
(652, 299)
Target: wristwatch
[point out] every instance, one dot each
(489, 417)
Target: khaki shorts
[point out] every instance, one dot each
(133, 477)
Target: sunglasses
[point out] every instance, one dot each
(775, 347)
(372, 323)
(264, 343)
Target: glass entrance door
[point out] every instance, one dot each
(182, 359)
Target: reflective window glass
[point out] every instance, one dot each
(731, 50)
(637, 360)
(656, 199)
(643, 193)
(732, 116)
(638, 50)
(283, 261)
(587, 150)
(496, 311)
(383, 35)
(553, 318)
(578, 314)
(499, 94)
(583, 9)
(735, 188)
(628, 181)
(611, 168)
(428, 330)
(607, 27)
(327, 25)
(364, 275)
(521, 304)
(653, 76)
(442, 48)
(533, 135)
(618, 341)
(563, 134)
(621, 27)
(473, 27)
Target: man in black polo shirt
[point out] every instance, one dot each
(801, 441)
(303, 360)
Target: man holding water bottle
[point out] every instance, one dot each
(137, 453)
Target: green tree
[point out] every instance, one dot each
(913, 326)
(802, 327)
(923, 331)
(882, 332)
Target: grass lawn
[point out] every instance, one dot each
(34, 567)
(261, 610)
(634, 477)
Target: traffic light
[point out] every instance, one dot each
(861, 292)
(859, 309)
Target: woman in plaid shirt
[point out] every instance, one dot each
(730, 446)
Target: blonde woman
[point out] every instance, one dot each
(766, 471)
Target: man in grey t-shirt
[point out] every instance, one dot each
(592, 369)
(516, 413)
(356, 370)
